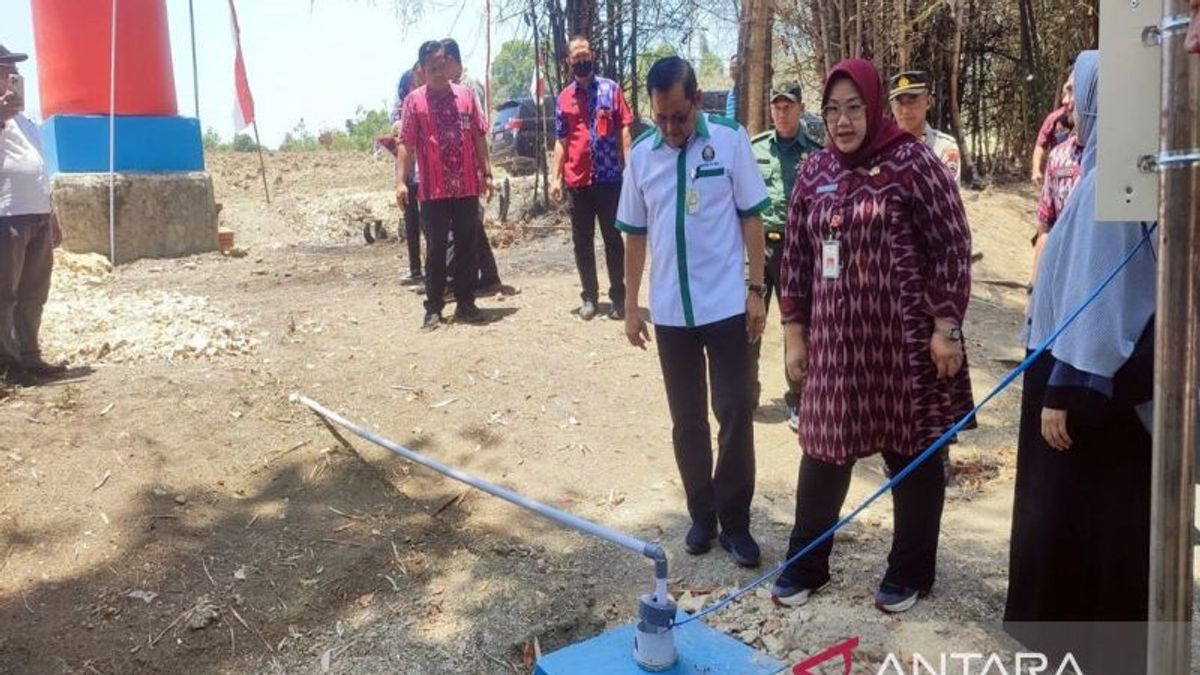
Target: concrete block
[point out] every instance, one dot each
(79, 144)
(157, 215)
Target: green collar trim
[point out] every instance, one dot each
(685, 289)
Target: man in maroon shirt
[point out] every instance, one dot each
(592, 122)
(443, 125)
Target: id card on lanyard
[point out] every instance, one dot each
(831, 249)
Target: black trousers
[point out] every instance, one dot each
(486, 273)
(772, 279)
(917, 502)
(413, 227)
(687, 355)
(443, 216)
(588, 204)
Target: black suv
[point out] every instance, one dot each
(513, 137)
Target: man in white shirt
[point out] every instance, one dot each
(692, 195)
(28, 234)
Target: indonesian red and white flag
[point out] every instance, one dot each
(243, 104)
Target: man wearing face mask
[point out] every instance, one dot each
(592, 123)
(29, 233)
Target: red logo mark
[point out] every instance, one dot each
(845, 649)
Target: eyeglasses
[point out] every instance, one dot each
(676, 119)
(852, 111)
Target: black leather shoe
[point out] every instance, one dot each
(16, 376)
(432, 321)
(469, 314)
(699, 539)
(40, 368)
(742, 548)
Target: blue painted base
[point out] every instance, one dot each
(79, 144)
(701, 650)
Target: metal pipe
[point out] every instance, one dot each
(647, 549)
(195, 67)
(112, 139)
(1175, 403)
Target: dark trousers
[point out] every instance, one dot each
(917, 502)
(443, 216)
(587, 205)
(687, 355)
(772, 279)
(26, 261)
(486, 273)
(413, 227)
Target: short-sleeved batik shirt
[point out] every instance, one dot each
(1062, 174)
(588, 120)
(442, 125)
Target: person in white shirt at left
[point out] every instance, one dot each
(29, 233)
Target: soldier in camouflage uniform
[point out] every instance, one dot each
(911, 100)
(780, 152)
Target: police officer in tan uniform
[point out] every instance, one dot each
(911, 100)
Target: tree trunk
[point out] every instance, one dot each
(581, 17)
(558, 35)
(610, 39)
(754, 46)
(635, 85)
(956, 10)
(858, 29)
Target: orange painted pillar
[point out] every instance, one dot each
(73, 43)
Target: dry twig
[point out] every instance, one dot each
(250, 628)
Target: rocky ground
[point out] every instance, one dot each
(169, 510)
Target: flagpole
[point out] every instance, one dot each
(112, 139)
(195, 67)
(262, 163)
(487, 69)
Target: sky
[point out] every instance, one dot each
(317, 60)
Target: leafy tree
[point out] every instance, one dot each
(512, 71)
(710, 72)
(362, 130)
(244, 143)
(660, 51)
(299, 139)
(212, 140)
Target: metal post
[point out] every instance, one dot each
(1175, 390)
(112, 138)
(195, 67)
(487, 67)
(262, 163)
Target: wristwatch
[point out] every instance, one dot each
(757, 289)
(955, 334)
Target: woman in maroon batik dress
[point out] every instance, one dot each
(876, 279)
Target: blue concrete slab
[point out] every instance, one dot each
(79, 144)
(702, 650)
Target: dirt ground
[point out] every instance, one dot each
(171, 511)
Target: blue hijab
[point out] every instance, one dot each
(1080, 253)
